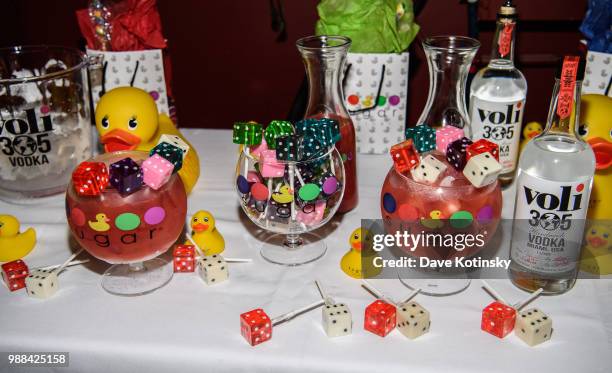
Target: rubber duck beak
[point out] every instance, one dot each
(596, 242)
(356, 245)
(117, 140)
(199, 227)
(603, 152)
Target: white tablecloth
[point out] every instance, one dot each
(187, 326)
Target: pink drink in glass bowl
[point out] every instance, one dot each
(139, 226)
(449, 205)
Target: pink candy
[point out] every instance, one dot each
(270, 166)
(157, 171)
(446, 135)
(256, 150)
(311, 215)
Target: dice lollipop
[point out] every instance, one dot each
(256, 326)
(337, 319)
(43, 283)
(14, 273)
(380, 316)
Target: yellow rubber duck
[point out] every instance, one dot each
(283, 195)
(531, 130)
(127, 119)
(351, 262)
(434, 220)
(14, 245)
(205, 234)
(597, 252)
(100, 224)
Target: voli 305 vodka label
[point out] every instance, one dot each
(499, 122)
(549, 223)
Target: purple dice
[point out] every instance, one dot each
(456, 153)
(126, 176)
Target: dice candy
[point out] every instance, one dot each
(126, 176)
(405, 156)
(247, 133)
(90, 178)
(428, 170)
(498, 319)
(156, 171)
(255, 326)
(14, 274)
(412, 320)
(287, 147)
(170, 153)
(176, 141)
(311, 213)
(533, 327)
(41, 283)
(380, 318)
(446, 135)
(482, 170)
(213, 269)
(270, 166)
(482, 146)
(276, 129)
(184, 258)
(423, 137)
(456, 153)
(337, 320)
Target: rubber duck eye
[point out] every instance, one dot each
(583, 129)
(356, 237)
(206, 220)
(606, 235)
(195, 219)
(132, 123)
(104, 122)
(593, 231)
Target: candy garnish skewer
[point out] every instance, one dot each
(518, 306)
(290, 315)
(493, 293)
(59, 268)
(292, 186)
(71, 264)
(377, 293)
(238, 260)
(328, 301)
(412, 295)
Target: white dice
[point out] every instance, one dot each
(213, 269)
(41, 283)
(533, 327)
(337, 320)
(412, 320)
(176, 141)
(428, 170)
(482, 169)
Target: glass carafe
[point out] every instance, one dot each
(324, 58)
(449, 59)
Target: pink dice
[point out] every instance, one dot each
(157, 171)
(311, 214)
(446, 135)
(255, 326)
(498, 319)
(270, 166)
(257, 149)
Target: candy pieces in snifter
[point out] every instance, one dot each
(171, 153)
(423, 137)
(311, 213)
(157, 171)
(42, 283)
(184, 258)
(90, 178)
(270, 166)
(255, 326)
(429, 170)
(456, 153)
(482, 170)
(412, 319)
(446, 135)
(126, 176)
(498, 319)
(405, 156)
(14, 274)
(337, 320)
(176, 141)
(533, 327)
(380, 318)
(213, 269)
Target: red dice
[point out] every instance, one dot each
(255, 326)
(90, 178)
(14, 274)
(482, 146)
(380, 318)
(498, 319)
(405, 156)
(184, 258)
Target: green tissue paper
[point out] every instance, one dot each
(374, 26)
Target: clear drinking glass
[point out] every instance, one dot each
(449, 59)
(303, 198)
(45, 125)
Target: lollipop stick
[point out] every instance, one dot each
(331, 164)
(493, 293)
(412, 295)
(290, 315)
(292, 171)
(246, 160)
(299, 176)
(194, 244)
(238, 260)
(529, 299)
(70, 259)
(71, 264)
(374, 291)
(326, 298)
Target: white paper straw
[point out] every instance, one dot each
(292, 171)
(493, 293)
(246, 161)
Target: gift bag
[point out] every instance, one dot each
(142, 69)
(598, 74)
(375, 91)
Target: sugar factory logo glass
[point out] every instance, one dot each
(26, 141)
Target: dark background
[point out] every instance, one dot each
(228, 66)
